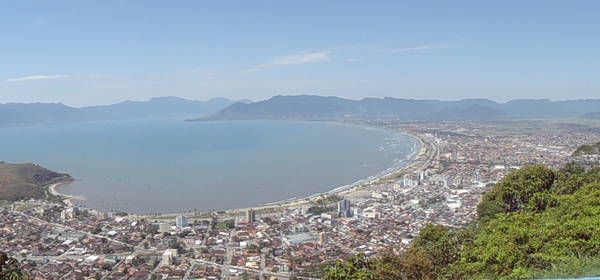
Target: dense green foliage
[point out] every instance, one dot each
(593, 149)
(10, 269)
(225, 225)
(536, 222)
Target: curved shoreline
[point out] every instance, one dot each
(63, 197)
(66, 198)
(397, 168)
(382, 175)
(411, 162)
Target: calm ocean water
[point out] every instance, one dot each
(167, 166)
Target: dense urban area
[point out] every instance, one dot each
(458, 163)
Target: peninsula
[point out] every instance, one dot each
(25, 181)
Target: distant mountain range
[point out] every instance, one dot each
(18, 114)
(300, 107)
(310, 107)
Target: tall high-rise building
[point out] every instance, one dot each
(344, 209)
(181, 221)
(250, 216)
(322, 238)
(477, 176)
(168, 256)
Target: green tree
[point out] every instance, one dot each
(439, 245)
(10, 268)
(389, 266)
(515, 190)
(490, 205)
(357, 267)
(535, 223)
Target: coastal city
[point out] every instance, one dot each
(299, 140)
(442, 184)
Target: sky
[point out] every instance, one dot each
(99, 52)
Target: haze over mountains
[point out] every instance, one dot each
(300, 107)
(310, 107)
(18, 114)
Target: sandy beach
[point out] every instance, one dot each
(418, 158)
(66, 198)
(414, 161)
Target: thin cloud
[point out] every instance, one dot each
(354, 60)
(418, 48)
(37, 78)
(303, 58)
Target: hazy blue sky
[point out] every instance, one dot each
(91, 52)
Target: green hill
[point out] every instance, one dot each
(535, 223)
(593, 149)
(24, 181)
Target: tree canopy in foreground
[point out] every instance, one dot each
(535, 223)
(10, 268)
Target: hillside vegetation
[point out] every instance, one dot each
(593, 149)
(24, 181)
(535, 223)
(10, 268)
